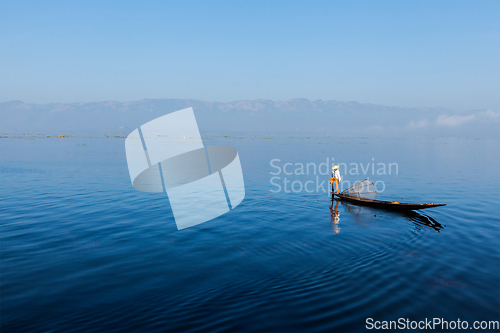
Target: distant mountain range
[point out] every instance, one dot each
(262, 117)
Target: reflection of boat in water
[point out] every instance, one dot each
(364, 193)
(421, 221)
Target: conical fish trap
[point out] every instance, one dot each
(365, 189)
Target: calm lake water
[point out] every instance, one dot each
(82, 251)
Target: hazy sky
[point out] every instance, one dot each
(405, 53)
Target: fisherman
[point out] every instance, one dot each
(335, 178)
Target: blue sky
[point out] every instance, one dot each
(404, 53)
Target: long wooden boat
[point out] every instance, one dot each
(391, 205)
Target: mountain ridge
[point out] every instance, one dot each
(293, 116)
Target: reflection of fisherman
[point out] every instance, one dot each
(335, 178)
(335, 217)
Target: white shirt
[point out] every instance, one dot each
(336, 174)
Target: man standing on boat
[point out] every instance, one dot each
(335, 178)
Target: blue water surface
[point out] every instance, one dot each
(81, 250)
